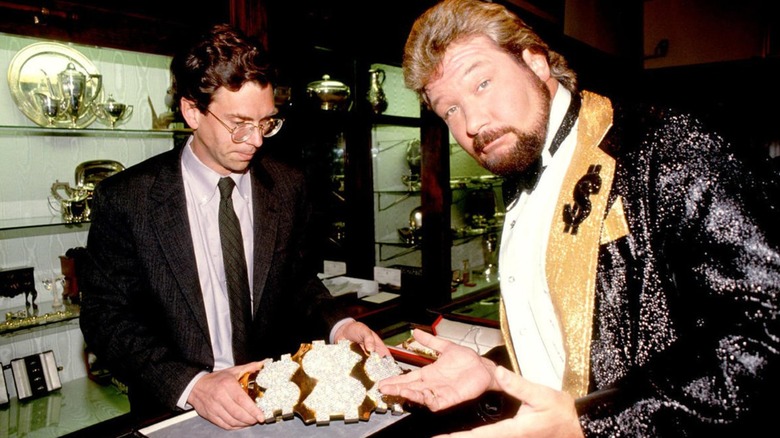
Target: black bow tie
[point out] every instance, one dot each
(523, 181)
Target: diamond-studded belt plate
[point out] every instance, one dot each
(324, 382)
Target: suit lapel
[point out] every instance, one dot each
(266, 216)
(171, 224)
(572, 255)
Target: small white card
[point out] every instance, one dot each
(333, 269)
(387, 276)
(380, 297)
(344, 285)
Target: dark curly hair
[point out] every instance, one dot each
(222, 57)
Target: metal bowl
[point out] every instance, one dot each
(330, 95)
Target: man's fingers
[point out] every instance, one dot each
(429, 340)
(400, 379)
(412, 396)
(380, 347)
(368, 344)
(511, 383)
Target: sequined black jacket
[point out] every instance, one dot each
(686, 339)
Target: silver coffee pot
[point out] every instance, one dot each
(73, 85)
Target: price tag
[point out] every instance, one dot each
(333, 269)
(388, 276)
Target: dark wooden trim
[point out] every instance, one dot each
(141, 26)
(436, 200)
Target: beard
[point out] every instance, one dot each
(528, 146)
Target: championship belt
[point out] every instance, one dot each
(324, 382)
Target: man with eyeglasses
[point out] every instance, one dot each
(158, 304)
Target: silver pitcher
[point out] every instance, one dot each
(376, 95)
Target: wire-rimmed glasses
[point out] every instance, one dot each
(241, 133)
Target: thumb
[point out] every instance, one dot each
(512, 383)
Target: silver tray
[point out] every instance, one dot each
(26, 76)
(89, 173)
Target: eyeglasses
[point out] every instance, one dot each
(244, 130)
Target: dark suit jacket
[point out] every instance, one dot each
(686, 326)
(142, 308)
(686, 335)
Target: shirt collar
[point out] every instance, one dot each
(559, 106)
(203, 180)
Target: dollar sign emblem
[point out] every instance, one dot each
(574, 214)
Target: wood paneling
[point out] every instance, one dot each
(140, 25)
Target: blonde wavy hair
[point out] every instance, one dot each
(452, 20)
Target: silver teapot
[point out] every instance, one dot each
(74, 201)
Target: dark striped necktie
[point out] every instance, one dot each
(235, 271)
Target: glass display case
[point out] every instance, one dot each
(474, 196)
(33, 231)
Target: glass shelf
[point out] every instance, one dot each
(458, 237)
(475, 182)
(28, 226)
(463, 183)
(23, 318)
(33, 222)
(389, 240)
(400, 189)
(466, 234)
(91, 132)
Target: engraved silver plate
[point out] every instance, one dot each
(34, 71)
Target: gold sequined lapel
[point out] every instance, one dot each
(572, 258)
(572, 254)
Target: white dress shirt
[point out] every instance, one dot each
(533, 325)
(202, 195)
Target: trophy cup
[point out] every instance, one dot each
(73, 85)
(111, 112)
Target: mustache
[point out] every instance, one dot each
(485, 138)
